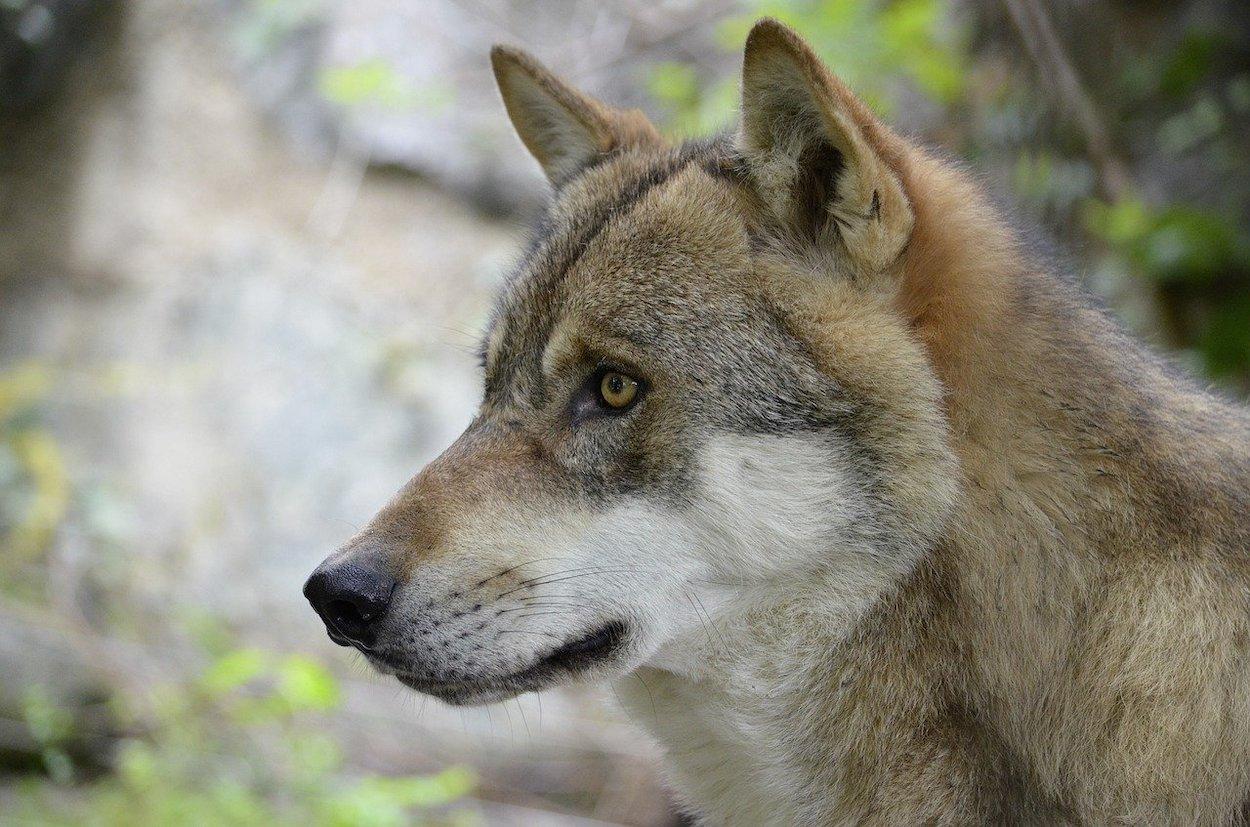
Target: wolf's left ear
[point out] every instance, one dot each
(562, 128)
(816, 153)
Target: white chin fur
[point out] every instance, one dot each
(773, 516)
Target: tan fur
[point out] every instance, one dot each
(776, 111)
(999, 574)
(561, 127)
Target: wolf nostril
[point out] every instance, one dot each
(349, 598)
(346, 616)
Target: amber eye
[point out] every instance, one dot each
(617, 390)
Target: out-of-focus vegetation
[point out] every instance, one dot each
(34, 488)
(872, 46)
(1119, 127)
(243, 742)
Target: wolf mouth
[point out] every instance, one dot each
(568, 659)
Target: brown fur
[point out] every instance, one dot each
(1056, 593)
(1090, 603)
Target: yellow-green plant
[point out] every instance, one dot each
(246, 742)
(34, 485)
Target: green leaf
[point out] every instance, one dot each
(674, 83)
(316, 754)
(209, 631)
(58, 764)
(926, 46)
(375, 82)
(23, 386)
(384, 802)
(431, 790)
(1190, 64)
(1226, 343)
(869, 44)
(137, 765)
(305, 684)
(266, 24)
(233, 670)
(1124, 222)
(1178, 243)
(1190, 244)
(48, 723)
(1186, 130)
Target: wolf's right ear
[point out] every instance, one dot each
(815, 152)
(562, 128)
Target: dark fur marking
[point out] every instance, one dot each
(574, 244)
(728, 166)
(579, 239)
(816, 187)
(594, 163)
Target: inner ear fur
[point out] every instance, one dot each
(816, 153)
(564, 129)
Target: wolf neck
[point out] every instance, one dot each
(1048, 401)
(1080, 453)
(1076, 449)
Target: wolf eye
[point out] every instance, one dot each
(617, 390)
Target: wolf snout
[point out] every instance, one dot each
(351, 599)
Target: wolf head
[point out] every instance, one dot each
(703, 385)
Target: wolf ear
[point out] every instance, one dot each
(562, 128)
(815, 151)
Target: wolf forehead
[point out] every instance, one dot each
(646, 260)
(620, 230)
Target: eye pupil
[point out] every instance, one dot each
(617, 390)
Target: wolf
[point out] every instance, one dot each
(867, 514)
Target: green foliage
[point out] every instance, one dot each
(265, 26)
(38, 492)
(304, 684)
(1174, 244)
(34, 484)
(1199, 122)
(376, 83)
(385, 802)
(1238, 93)
(693, 108)
(1186, 250)
(233, 670)
(870, 44)
(1190, 64)
(51, 727)
(1225, 344)
(244, 743)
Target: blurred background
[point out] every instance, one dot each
(246, 248)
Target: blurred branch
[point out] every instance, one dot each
(1051, 58)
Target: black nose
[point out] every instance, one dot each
(350, 598)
